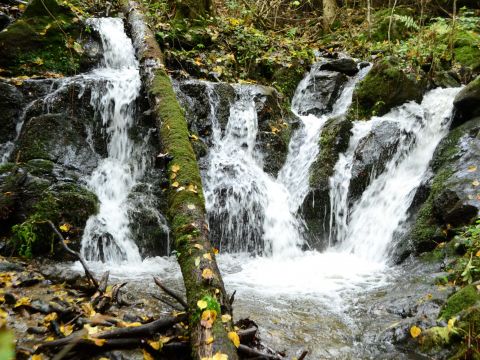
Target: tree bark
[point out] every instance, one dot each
(329, 13)
(203, 283)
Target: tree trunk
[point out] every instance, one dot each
(193, 9)
(329, 13)
(206, 296)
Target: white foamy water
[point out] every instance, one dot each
(383, 207)
(107, 236)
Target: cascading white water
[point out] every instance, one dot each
(107, 235)
(235, 185)
(383, 207)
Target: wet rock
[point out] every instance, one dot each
(4, 20)
(346, 66)
(11, 100)
(6, 266)
(321, 90)
(316, 206)
(372, 155)
(384, 87)
(453, 198)
(467, 103)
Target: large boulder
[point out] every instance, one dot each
(316, 206)
(11, 101)
(372, 155)
(453, 200)
(318, 92)
(467, 103)
(385, 87)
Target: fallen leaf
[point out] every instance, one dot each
(207, 256)
(175, 184)
(226, 318)
(451, 323)
(146, 355)
(175, 168)
(156, 345)
(193, 137)
(202, 304)
(215, 251)
(207, 274)
(191, 207)
(415, 331)
(209, 340)
(232, 335)
(197, 261)
(23, 301)
(198, 246)
(472, 168)
(65, 227)
(475, 183)
(208, 318)
(99, 342)
(192, 188)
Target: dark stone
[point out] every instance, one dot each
(346, 66)
(372, 155)
(453, 198)
(4, 20)
(467, 103)
(11, 100)
(6, 266)
(321, 90)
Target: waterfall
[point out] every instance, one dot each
(107, 235)
(383, 207)
(255, 211)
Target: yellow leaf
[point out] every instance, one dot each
(173, 176)
(478, 253)
(451, 323)
(207, 274)
(215, 251)
(156, 345)
(91, 329)
(22, 301)
(191, 207)
(45, 29)
(475, 183)
(50, 317)
(209, 340)
(37, 357)
(208, 318)
(66, 329)
(472, 168)
(38, 61)
(197, 261)
(134, 324)
(175, 184)
(147, 356)
(207, 256)
(193, 137)
(192, 188)
(415, 331)
(88, 309)
(226, 318)
(198, 246)
(65, 227)
(232, 335)
(175, 168)
(202, 304)
(99, 342)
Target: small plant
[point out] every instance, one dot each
(24, 236)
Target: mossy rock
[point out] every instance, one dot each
(467, 103)
(30, 194)
(466, 49)
(316, 206)
(385, 87)
(42, 40)
(461, 300)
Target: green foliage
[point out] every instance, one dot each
(466, 269)
(24, 236)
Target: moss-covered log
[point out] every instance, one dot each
(206, 296)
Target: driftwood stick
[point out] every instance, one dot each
(172, 293)
(248, 351)
(74, 253)
(247, 335)
(140, 331)
(168, 303)
(304, 354)
(102, 287)
(232, 297)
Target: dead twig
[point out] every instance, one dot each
(172, 293)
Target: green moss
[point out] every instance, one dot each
(461, 300)
(6, 167)
(384, 87)
(333, 140)
(41, 41)
(39, 167)
(286, 80)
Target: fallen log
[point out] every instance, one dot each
(207, 299)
